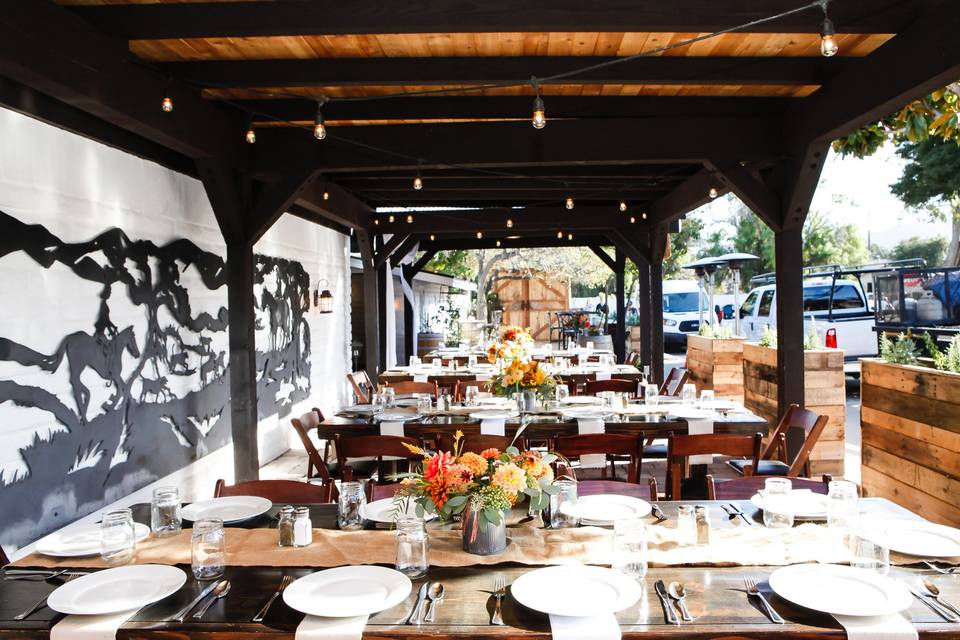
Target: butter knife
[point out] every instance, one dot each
(182, 614)
(415, 614)
(668, 612)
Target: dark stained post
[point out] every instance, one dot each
(384, 306)
(658, 248)
(620, 337)
(371, 307)
(789, 277)
(645, 312)
(409, 330)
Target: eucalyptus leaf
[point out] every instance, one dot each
(457, 501)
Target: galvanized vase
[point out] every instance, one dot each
(488, 542)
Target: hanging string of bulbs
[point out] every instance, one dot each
(829, 47)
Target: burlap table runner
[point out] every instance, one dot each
(741, 546)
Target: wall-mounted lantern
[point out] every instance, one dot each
(322, 298)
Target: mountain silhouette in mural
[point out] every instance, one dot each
(161, 392)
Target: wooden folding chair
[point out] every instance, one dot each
(620, 385)
(613, 487)
(674, 382)
(362, 386)
(289, 491)
(409, 386)
(377, 448)
(460, 390)
(616, 446)
(681, 447)
(769, 465)
(476, 442)
(315, 462)
(746, 487)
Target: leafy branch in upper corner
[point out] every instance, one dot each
(901, 350)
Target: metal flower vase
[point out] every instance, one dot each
(483, 542)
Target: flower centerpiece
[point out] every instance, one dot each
(518, 371)
(480, 487)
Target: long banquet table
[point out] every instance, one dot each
(716, 600)
(447, 376)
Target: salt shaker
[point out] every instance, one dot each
(686, 524)
(285, 526)
(702, 525)
(302, 527)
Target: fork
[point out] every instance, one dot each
(500, 590)
(947, 572)
(263, 612)
(751, 586)
(39, 605)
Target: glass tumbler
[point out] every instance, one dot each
(424, 403)
(560, 503)
(437, 363)
(842, 501)
(651, 395)
(688, 395)
(413, 547)
(208, 557)
(352, 499)
(414, 361)
(630, 547)
(379, 401)
(868, 545)
(165, 519)
(707, 396)
(472, 361)
(777, 503)
(562, 392)
(471, 395)
(118, 539)
(390, 396)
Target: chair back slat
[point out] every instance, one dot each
(620, 385)
(476, 443)
(460, 390)
(673, 384)
(680, 447)
(409, 386)
(746, 487)
(629, 446)
(289, 491)
(813, 426)
(361, 384)
(376, 447)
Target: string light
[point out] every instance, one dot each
(569, 236)
(644, 215)
(432, 237)
(409, 218)
(713, 193)
(319, 129)
(539, 119)
(376, 221)
(633, 220)
(326, 195)
(559, 235)
(828, 40)
(498, 243)
(509, 223)
(417, 183)
(623, 205)
(391, 218)
(569, 203)
(479, 235)
(167, 104)
(251, 135)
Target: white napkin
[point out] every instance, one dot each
(603, 375)
(591, 460)
(695, 428)
(603, 627)
(890, 627)
(421, 377)
(482, 377)
(492, 426)
(391, 429)
(317, 628)
(102, 627)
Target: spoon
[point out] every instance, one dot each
(434, 595)
(658, 512)
(678, 593)
(222, 589)
(935, 590)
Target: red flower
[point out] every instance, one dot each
(586, 323)
(437, 466)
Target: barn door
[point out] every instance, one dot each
(527, 302)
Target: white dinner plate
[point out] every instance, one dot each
(229, 509)
(360, 408)
(347, 591)
(588, 413)
(492, 415)
(922, 538)
(576, 590)
(580, 400)
(397, 416)
(383, 511)
(117, 589)
(841, 590)
(807, 505)
(80, 542)
(720, 405)
(605, 509)
(689, 413)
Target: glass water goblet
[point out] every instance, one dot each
(777, 503)
(630, 547)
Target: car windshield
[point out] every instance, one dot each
(680, 302)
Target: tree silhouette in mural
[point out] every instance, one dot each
(164, 396)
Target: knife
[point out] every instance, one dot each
(182, 614)
(947, 615)
(735, 508)
(415, 614)
(668, 611)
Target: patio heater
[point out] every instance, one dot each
(704, 268)
(734, 262)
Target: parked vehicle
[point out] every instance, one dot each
(681, 315)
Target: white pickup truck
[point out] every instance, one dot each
(847, 311)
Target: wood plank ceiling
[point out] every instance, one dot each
(262, 57)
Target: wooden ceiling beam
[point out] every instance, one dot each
(531, 242)
(304, 17)
(346, 72)
(544, 220)
(692, 193)
(332, 202)
(51, 50)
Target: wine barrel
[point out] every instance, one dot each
(428, 342)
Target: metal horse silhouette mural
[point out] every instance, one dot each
(163, 385)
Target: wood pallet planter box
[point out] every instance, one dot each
(716, 363)
(910, 429)
(824, 393)
(636, 339)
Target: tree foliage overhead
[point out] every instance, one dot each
(932, 250)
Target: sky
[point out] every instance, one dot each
(857, 191)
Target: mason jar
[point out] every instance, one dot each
(413, 547)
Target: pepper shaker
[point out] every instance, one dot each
(703, 525)
(285, 527)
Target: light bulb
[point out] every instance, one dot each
(167, 104)
(417, 183)
(432, 237)
(713, 193)
(376, 221)
(479, 235)
(326, 195)
(828, 40)
(509, 223)
(569, 203)
(251, 136)
(409, 218)
(319, 129)
(632, 220)
(623, 206)
(559, 235)
(569, 236)
(644, 215)
(498, 243)
(391, 218)
(539, 114)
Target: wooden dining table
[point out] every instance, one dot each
(716, 599)
(447, 376)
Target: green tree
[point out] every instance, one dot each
(752, 236)
(932, 250)
(828, 243)
(680, 248)
(455, 263)
(931, 181)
